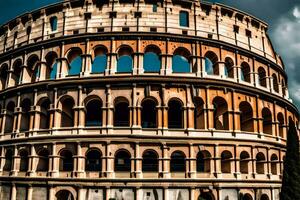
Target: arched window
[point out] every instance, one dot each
(199, 113)
(267, 121)
(64, 195)
(100, 60)
(175, 119)
(93, 116)
(280, 120)
(33, 68)
(226, 158)
(3, 76)
(66, 161)
(75, 61)
(9, 122)
(25, 119)
(264, 197)
(229, 70)
(150, 161)
(244, 162)
(53, 23)
(180, 61)
(211, 63)
(283, 83)
(67, 114)
(220, 114)
(203, 161)
(245, 76)
(24, 161)
(246, 117)
(152, 60)
(260, 163)
(51, 60)
(45, 114)
(177, 163)
(121, 113)
(149, 119)
(184, 18)
(275, 83)
(274, 162)
(43, 163)
(8, 160)
(93, 161)
(262, 77)
(16, 75)
(125, 62)
(122, 161)
(206, 196)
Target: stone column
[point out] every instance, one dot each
(16, 162)
(222, 67)
(13, 192)
(33, 159)
(109, 162)
(2, 159)
(86, 68)
(189, 118)
(138, 161)
(80, 173)
(62, 68)
(166, 162)
(237, 162)
(81, 193)
(112, 58)
(54, 161)
(80, 114)
(217, 161)
(29, 192)
(192, 162)
(17, 116)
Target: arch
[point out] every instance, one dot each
(93, 115)
(67, 112)
(180, 60)
(93, 161)
(177, 163)
(45, 114)
(121, 112)
(149, 114)
(150, 161)
(206, 196)
(199, 113)
(226, 158)
(275, 83)
(125, 61)
(244, 162)
(247, 197)
(75, 61)
(51, 61)
(122, 161)
(17, 69)
(246, 117)
(66, 161)
(152, 61)
(260, 163)
(211, 63)
(24, 160)
(43, 162)
(262, 77)
(53, 23)
(267, 121)
(183, 18)
(9, 122)
(33, 68)
(203, 161)
(274, 162)
(220, 114)
(175, 114)
(64, 195)
(25, 117)
(100, 59)
(8, 160)
(283, 86)
(3, 76)
(280, 119)
(229, 67)
(264, 197)
(246, 72)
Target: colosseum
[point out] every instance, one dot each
(141, 100)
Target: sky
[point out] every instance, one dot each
(283, 17)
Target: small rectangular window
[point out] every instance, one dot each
(138, 14)
(53, 23)
(75, 32)
(236, 28)
(113, 14)
(184, 32)
(184, 18)
(248, 33)
(154, 8)
(87, 15)
(153, 29)
(125, 29)
(100, 30)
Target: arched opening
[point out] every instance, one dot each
(226, 158)
(283, 83)
(206, 196)
(53, 23)
(175, 118)
(3, 76)
(45, 114)
(152, 62)
(275, 83)
(64, 195)
(199, 113)
(229, 69)
(180, 61)
(51, 61)
(246, 117)
(245, 68)
(93, 115)
(9, 122)
(177, 163)
(262, 77)
(43, 163)
(150, 161)
(24, 161)
(100, 60)
(33, 68)
(93, 161)
(8, 161)
(67, 114)
(274, 162)
(121, 114)
(267, 121)
(75, 61)
(280, 120)
(244, 162)
(125, 61)
(66, 161)
(16, 75)
(25, 117)
(260, 163)
(247, 197)
(211, 63)
(203, 161)
(220, 114)
(149, 114)
(122, 161)
(264, 197)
